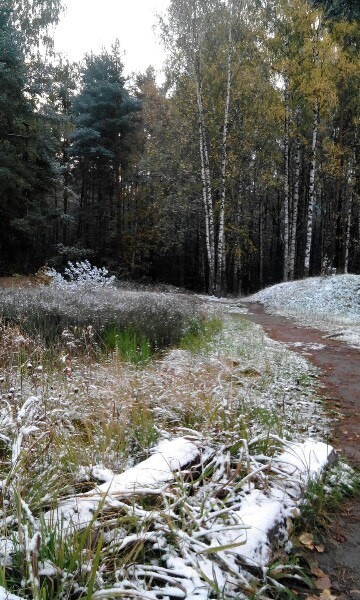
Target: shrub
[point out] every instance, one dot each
(81, 275)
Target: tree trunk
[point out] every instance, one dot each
(207, 192)
(310, 214)
(295, 210)
(339, 236)
(261, 246)
(221, 254)
(347, 236)
(286, 183)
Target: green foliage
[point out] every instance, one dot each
(32, 20)
(199, 334)
(142, 430)
(101, 148)
(129, 344)
(62, 554)
(326, 495)
(27, 165)
(91, 175)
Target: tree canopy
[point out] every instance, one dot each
(241, 170)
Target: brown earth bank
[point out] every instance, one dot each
(340, 381)
(18, 281)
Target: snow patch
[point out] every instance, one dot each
(149, 476)
(328, 303)
(5, 595)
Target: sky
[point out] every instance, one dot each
(88, 25)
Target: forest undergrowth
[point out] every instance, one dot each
(125, 478)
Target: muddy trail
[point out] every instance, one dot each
(340, 378)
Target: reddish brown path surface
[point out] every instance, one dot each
(340, 376)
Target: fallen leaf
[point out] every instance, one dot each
(289, 525)
(326, 595)
(317, 571)
(320, 548)
(306, 539)
(323, 583)
(311, 597)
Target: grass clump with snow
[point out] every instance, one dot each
(325, 495)
(167, 481)
(128, 344)
(88, 304)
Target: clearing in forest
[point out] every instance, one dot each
(155, 445)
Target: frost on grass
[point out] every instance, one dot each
(148, 477)
(86, 307)
(174, 480)
(202, 541)
(329, 303)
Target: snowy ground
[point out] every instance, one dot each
(195, 465)
(328, 303)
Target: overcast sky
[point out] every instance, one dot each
(87, 25)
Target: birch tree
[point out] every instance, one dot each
(185, 34)
(287, 46)
(286, 179)
(295, 210)
(221, 255)
(312, 191)
(319, 89)
(200, 35)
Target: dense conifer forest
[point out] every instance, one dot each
(240, 170)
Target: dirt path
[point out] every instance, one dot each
(340, 376)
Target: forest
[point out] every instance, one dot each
(238, 171)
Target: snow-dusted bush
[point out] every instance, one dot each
(81, 275)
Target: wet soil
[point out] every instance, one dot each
(340, 384)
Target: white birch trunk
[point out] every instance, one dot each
(310, 213)
(347, 237)
(261, 247)
(221, 254)
(295, 210)
(207, 191)
(286, 183)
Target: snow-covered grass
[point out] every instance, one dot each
(328, 303)
(48, 311)
(176, 479)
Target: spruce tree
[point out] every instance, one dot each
(101, 149)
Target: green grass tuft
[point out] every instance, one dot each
(130, 345)
(326, 495)
(199, 334)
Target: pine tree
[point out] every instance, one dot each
(104, 117)
(25, 169)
